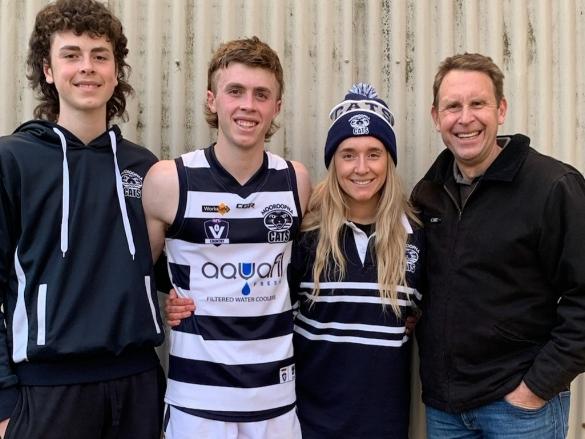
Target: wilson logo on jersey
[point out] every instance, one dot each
(216, 231)
(132, 184)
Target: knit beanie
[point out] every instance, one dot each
(361, 113)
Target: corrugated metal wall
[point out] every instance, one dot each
(325, 45)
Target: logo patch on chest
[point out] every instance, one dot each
(132, 184)
(278, 219)
(216, 231)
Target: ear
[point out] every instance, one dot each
(435, 116)
(278, 107)
(48, 71)
(211, 101)
(502, 109)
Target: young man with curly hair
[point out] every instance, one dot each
(80, 318)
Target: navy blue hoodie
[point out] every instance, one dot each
(77, 289)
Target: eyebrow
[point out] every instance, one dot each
(238, 85)
(353, 149)
(72, 48)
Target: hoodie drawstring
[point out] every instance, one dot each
(121, 198)
(65, 200)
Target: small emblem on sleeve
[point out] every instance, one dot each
(411, 257)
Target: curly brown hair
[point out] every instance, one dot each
(80, 16)
(252, 53)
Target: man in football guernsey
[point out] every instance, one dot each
(227, 215)
(356, 272)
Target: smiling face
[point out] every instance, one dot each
(468, 115)
(246, 100)
(83, 70)
(361, 166)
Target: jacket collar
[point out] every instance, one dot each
(504, 168)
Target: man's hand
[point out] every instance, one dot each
(178, 308)
(410, 323)
(523, 397)
(3, 427)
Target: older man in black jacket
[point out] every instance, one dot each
(503, 328)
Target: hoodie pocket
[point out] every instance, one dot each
(151, 303)
(41, 314)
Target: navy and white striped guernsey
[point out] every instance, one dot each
(229, 248)
(352, 354)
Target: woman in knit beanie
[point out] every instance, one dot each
(355, 272)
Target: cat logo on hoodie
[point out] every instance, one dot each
(132, 183)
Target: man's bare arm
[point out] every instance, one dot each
(303, 184)
(160, 199)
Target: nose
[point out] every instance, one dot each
(247, 101)
(466, 115)
(86, 64)
(361, 166)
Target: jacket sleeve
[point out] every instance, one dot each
(8, 381)
(561, 250)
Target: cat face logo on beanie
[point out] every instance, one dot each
(361, 113)
(359, 123)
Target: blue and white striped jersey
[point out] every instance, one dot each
(352, 354)
(228, 249)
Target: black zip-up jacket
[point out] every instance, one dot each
(506, 279)
(76, 286)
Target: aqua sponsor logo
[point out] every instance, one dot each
(251, 273)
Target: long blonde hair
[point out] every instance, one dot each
(328, 211)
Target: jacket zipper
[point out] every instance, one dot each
(460, 209)
(460, 213)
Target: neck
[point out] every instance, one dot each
(363, 212)
(85, 126)
(471, 171)
(241, 163)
